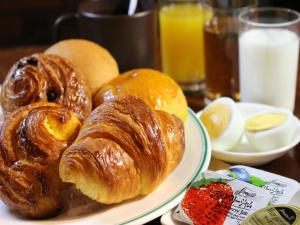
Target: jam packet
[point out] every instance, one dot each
(282, 189)
(219, 199)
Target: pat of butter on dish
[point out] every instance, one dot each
(270, 130)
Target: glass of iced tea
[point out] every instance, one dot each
(221, 47)
(181, 35)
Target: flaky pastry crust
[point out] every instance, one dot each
(123, 150)
(42, 77)
(32, 140)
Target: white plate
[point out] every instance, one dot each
(244, 153)
(141, 210)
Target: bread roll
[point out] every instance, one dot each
(95, 62)
(158, 90)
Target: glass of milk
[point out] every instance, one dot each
(268, 56)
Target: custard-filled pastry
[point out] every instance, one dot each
(32, 140)
(123, 150)
(50, 78)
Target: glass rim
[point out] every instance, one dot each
(171, 2)
(206, 4)
(242, 18)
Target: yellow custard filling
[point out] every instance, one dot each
(61, 131)
(265, 121)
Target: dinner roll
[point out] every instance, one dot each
(158, 90)
(95, 62)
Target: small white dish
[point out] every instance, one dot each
(244, 153)
(195, 160)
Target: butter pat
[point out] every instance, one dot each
(278, 214)
(270, 130)
(282, 189)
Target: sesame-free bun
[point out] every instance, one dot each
(158, 90)
(94, 61)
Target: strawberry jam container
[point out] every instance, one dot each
(216, 199)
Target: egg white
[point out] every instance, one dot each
(272, 138)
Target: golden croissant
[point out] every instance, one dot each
(123, 150)
(42, 77)
(32, 140)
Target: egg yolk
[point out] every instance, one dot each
(265, 121)
(216, 119)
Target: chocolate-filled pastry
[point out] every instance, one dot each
(32, 140)
(42, 77)
(123, 150)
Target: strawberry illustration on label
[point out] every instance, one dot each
(208, 201)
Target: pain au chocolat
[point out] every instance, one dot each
(50, 78)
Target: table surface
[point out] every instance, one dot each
(288, 165)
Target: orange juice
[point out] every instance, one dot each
(181, 30)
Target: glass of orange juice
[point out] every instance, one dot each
(182, 45)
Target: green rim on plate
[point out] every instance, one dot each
(205, 156)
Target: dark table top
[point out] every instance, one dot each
(288, 165)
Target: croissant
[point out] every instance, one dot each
(123, 150)
(48, 78)
(32, 140)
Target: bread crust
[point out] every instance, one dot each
(158, 90)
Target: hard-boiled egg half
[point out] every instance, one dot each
(270, 130)
(224, 123)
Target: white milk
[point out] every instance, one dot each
(268, 66)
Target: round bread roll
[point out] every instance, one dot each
(95, 62)
(158, 90)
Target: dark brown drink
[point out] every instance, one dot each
(221, 47)
(221, 63)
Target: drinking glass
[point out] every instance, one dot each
(268, 56)
(181, 33)
(221, 47)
